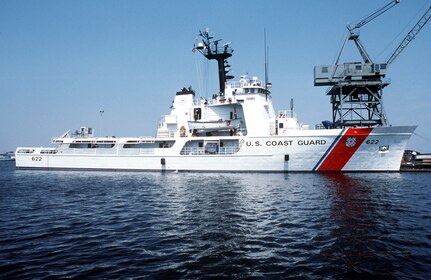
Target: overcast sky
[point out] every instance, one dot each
(63, 61)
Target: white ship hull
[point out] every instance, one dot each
(350, 149)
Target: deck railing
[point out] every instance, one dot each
(101, 151)
(203, 151)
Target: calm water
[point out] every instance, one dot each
(185, 225)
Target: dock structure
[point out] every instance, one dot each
(416, 161)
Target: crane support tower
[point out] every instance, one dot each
(356, 88)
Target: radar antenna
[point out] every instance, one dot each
(211, 50)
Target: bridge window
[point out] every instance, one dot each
(197, 114)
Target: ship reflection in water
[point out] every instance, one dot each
(197, 225)
(358, 230)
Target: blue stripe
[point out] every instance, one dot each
(329, 149)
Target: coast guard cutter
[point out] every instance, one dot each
(239, 130)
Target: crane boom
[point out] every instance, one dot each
(410, 36)
(354, 33)
(374, 14)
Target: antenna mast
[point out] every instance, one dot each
(267, 83)
(266, 58)
(211, 50)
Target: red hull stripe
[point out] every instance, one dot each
(330, 149)
(344, 149)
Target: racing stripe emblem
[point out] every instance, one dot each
(343, 150)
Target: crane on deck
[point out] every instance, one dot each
(356, 88)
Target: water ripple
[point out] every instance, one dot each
(185, 225)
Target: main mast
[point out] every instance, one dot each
(211, 50)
